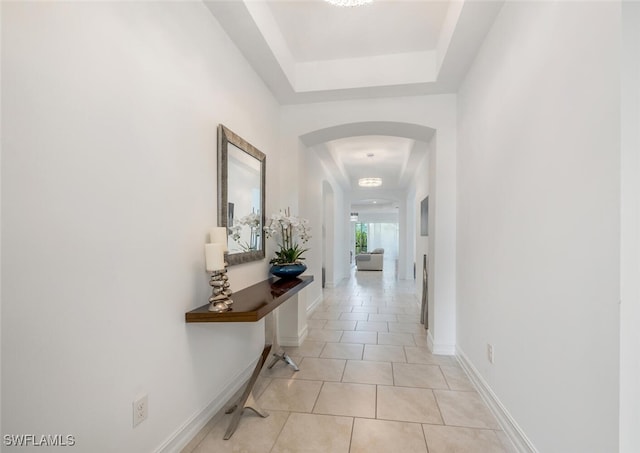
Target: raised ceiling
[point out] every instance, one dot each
(316, 30)
(374, 156)
(311, 51)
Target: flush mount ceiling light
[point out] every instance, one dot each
(370, 182)
(349, 3)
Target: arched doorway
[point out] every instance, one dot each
(409, 250)
(309, 128)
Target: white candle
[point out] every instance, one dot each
(218, 235)
(214, 257)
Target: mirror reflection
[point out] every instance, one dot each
(241, 196)
(243, 186)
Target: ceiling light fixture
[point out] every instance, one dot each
(370, 182)
(349, 3)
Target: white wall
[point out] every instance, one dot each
(336, 221)
(420, 189)
(539, 219)
(630, 235)
(1, 430)
(108, 190)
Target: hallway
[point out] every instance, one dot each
(367, 384)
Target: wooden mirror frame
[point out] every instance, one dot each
(226, 136)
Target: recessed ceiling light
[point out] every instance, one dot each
(370, 182)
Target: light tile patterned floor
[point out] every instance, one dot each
(367, 383)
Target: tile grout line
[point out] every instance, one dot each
(353, 425)
(438, 406)
(424, 434)
(317, 397)
(322, 350)
(344, 368)
(445, 378)
(280, 432)
(376, 412)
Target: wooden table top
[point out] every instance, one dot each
(254, 302)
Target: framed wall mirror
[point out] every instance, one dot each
(241, 182)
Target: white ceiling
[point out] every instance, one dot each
(373, 156)
(316, 30)
(311, 51)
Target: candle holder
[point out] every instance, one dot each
(220, 291)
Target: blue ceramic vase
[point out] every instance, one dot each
(288, 270)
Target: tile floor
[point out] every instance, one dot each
(367, 384)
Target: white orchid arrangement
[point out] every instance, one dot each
(285, 229)
(253, 222)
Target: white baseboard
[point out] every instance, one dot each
(335, 283)
(183, 435)
(508, 424)
(303, 333)
(314, 305)
(294, 341)
(289, 342)
(439, 348)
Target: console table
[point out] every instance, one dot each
(250, 305)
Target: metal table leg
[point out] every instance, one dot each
(285, 358)
(247, 401)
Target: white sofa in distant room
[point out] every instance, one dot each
(371, 261)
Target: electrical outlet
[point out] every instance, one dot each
(490, 352)
(140, 410)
